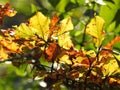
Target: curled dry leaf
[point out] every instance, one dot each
(6, 10)
(9, 45)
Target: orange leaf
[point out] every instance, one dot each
(53, 23)
(52, 51)
(9, 45)
(54, 20)
(6, 10)
(109, 45)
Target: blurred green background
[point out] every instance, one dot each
(12, 78)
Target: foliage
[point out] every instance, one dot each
(42, 48)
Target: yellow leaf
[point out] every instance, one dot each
(90, 53)
(110, 67)
(40, 25)
(95, 29)
(65, 59)
(63, 34)
(24, 31)
(3, 54)
(9, 45)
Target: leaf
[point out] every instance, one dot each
(23, 31)
(110, 45)
(9, 45)
(95, 29)
(52, 52)
(105, 11)
(64, 39)
(65, 59)
(53, 24)
(21, 71)
(40, 25)
(62, 5)
(117, 57)
(6, 10)
(110, 67)
(3, 54)
(90, 53)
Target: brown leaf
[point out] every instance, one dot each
(52, 51)
(53, 24)
(6, 10)
(74, 74)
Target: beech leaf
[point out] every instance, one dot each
(65, 59)
(95, 29)
(64, 37)
(38, 24)
(24, 31)
(110, 67)
(3, 54)
(9, 45)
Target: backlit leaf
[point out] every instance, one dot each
(64, 37)
(65, 59)
(90, 53)
(40, 23)
(9, 45)
(3, 54)
(24, 31)
(110, 67)
(95, 29)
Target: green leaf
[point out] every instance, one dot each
(108, 12)
(116, 46)
(34, 8)
(21, 70)
(73, 1)
(111, 27)
(62, 5)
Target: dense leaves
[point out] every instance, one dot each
(44, 44)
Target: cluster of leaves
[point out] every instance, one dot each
(43, 40)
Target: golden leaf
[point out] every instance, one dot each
(64, 39)
(3, 54)
(110, 67)
(9, 45)
(65, 59)
(95, 29)
(40, 25)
